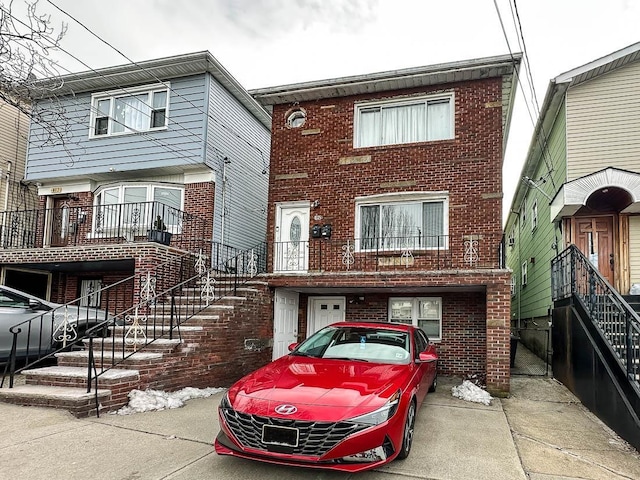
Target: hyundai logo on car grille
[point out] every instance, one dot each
(285, 409)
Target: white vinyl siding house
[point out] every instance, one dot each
(603, 118)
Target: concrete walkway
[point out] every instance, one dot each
(541, 432)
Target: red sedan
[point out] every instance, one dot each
(344, 399)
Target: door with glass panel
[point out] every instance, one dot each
(291, 247)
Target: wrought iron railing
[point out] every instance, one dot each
(573, 276)
(99, 224)
(472, 251)
(170, 293)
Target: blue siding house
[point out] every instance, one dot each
(137, 163)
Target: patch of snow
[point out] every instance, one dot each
(471, 393)
(154, 400)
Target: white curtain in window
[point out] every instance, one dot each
(403, 124)
(369, 127)
(439, 120)
(132, 113)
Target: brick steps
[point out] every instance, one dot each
(211, 350)
(75, 400)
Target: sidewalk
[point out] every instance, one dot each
(541, 432)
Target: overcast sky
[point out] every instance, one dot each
(264, 43)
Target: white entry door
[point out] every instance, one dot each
(291, 248)
(285, 321)
(324, 311)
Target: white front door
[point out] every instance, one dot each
(285, 321)
(291, 248)
(324, 311)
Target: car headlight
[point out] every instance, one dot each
(225, 403)
(382, 414)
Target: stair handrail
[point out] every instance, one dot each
(34, 358)
(574, 276)
(207, 291)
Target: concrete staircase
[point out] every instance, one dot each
(212, 349)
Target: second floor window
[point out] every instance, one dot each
(396, 122)
(130, 111)
(397, 225)
(137, 206)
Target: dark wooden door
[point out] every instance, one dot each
(595, 238)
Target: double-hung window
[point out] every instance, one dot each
(130, 110)
(399, 222)
(136, 207)
(395, 122)
(424, 312)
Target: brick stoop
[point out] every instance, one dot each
(212, 349)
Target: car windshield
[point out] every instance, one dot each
(366, 344)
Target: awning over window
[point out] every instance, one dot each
(574, 195)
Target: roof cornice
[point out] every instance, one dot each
(487, 67)
(150, 71)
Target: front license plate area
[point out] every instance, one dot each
(282, 436)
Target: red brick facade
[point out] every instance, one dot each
(318, 163)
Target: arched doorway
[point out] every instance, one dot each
(595, 229)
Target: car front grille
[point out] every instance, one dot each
(315, 438)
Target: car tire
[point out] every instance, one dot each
(434, 384)
(408, 431)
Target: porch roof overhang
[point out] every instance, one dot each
(96, 266)
(573, 195)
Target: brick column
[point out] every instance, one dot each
(498, 335)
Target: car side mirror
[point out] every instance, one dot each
(36, 305)
(292, 346)
(428, 357)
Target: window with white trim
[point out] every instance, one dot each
(138, 205)
(424, 312)
(513, 287)
(534, 215)
(130, 110)
(523, 212)
(402, 222)
(524, 273)
(412, 120)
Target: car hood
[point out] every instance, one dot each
(320, 389)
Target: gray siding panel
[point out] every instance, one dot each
(179, 144)
(235, 134)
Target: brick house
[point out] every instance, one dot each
(385, 204)
(137, 163)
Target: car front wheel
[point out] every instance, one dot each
(407, 436)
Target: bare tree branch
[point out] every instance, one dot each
(27, 42)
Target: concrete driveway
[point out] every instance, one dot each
(541, 432)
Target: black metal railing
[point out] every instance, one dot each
(99, 224)
(170, 293)
(472, 251)
(573, 276)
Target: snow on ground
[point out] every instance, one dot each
(471, 393)
(151, 400)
